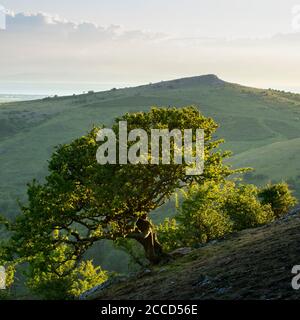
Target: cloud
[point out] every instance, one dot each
(38, 24)
(48, 46)
(42, 47)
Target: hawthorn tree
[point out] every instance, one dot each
(82, 202)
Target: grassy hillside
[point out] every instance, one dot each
(252, 264)
(262, 127)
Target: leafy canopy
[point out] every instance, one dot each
(86, 202)
(213, 210)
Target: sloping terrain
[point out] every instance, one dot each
(251, 120)
(262, 127)
(252, 264)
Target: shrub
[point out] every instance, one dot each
(201, 216)
(279, 196)
(69, 280)
(244, 208)
(169, 234)
(212, 210)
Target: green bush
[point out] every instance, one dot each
(279, 196)
(243, 207)
(201, 218)
(211, 210)
(68, 281)
(198, 220)
(169, 234)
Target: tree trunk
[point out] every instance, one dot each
(145, 235)
(153, 248)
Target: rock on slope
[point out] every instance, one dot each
(252, 264)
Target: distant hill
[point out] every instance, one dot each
(252, 264)
(18, 97)
(262, 127)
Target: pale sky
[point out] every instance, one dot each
(217, 18)
(47, 48)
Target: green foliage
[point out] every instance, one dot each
(201, 216)
(169, 234)
(59, 279)
(7, 262)
(213, 210)
(279, 196)
(10, 270)
(244, 208)
(88, 202)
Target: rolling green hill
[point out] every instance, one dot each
(262, 127)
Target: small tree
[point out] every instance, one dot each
(243, 207)
(201, 216)
(279, 196)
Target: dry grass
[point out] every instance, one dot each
(253, 264)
